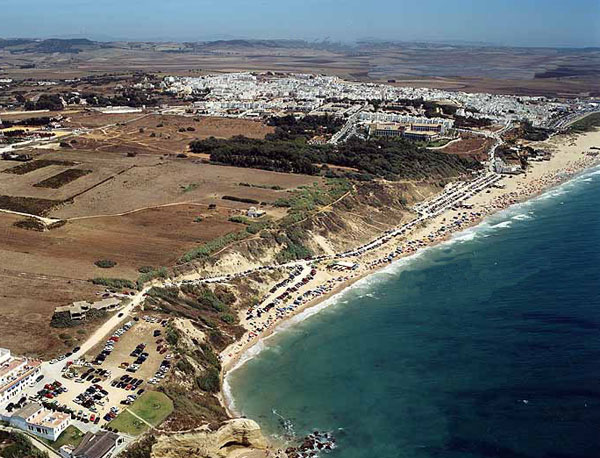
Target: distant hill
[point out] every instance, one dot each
(52, 45)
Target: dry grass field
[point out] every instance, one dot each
(29, 292)
(473, 146)
(159, 134)
(138, 211)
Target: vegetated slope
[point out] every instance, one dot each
(320, 220)
(204, 322)
(204, 318)
(590, 122)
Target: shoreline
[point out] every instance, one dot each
(539, 179)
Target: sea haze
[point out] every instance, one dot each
(485, 346)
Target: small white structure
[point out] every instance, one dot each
(66, 451)
(344, 265)
(253, 212)
(41, 422)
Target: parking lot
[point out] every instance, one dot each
(114, 374)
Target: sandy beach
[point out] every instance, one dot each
(571, 154)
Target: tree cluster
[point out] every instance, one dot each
(129, 97)
(387, 158)
(290, 128)
(52, 102)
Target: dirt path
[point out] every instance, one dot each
(139, 418)
(129, 212)
(326, 207)
(443, 146)
(46, 221)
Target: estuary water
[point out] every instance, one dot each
(485, 346)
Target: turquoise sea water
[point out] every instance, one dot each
(486, 346)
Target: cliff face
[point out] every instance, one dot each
(363, 214)
(239, 437)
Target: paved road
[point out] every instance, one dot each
(350, 124)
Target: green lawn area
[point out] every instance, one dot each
(128, 424)
(71, 436)
(152, 406)
(435, 143)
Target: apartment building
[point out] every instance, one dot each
(15, 375)
(411, 131)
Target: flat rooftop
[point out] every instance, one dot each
(49, 419)
(31, 366)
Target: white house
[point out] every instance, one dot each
(40, 421)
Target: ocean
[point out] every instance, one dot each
(485, 346)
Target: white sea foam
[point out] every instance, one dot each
(522, 217)
(244, 358)
(466, 236)
(502, 225)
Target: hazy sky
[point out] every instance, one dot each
(510, 22)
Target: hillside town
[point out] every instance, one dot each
(250, 94)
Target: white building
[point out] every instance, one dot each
(41, 422)
(15, 375)
(253, 212)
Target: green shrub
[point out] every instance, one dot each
(241, 199)
(209, 381)
(213, 246)
(188, 187)
(225, 295)
(19, 446)
(105, 263)
(228, 318)
(171, 336)
(239, 219)
(115, 283)
(161, 272)
(185, 366)
(255, 228)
